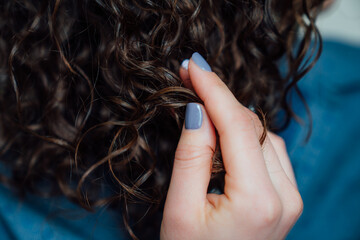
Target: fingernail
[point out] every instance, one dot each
(193, 116)
(200, 61)
(185, 64)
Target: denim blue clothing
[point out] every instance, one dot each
(327, 167)
(55, 218)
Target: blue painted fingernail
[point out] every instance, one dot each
(185, 64)
(193, 116)
(200, 61)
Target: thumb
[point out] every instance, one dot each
(192, 164)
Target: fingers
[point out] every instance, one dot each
(283, 180)
(255, 177)
(192, 164)
(280, 149)
(241, 150)
(278, 143)
(274, 149)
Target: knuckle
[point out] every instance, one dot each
(187, 155)
(258, 124)
(240, 116)
(277, 141)
(296, 207)
(254, 116)
(269, 211)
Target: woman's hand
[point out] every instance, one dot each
(260, 200)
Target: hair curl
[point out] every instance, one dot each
(90, 98)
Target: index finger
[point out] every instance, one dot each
(240, 147)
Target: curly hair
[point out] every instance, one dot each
(90, 98)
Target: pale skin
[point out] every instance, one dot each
(261, 199)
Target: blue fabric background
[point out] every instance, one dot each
(327, 167)
(36, 218)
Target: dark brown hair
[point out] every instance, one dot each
(90, 98)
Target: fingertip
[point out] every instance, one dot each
(198, 125)
(193, 116)
(185, 64)
(185, 78)
(184, 74)
(203, 82)
(201, 62)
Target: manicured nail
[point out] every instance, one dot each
(185, 64)
(200, 61)
(193, 116)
